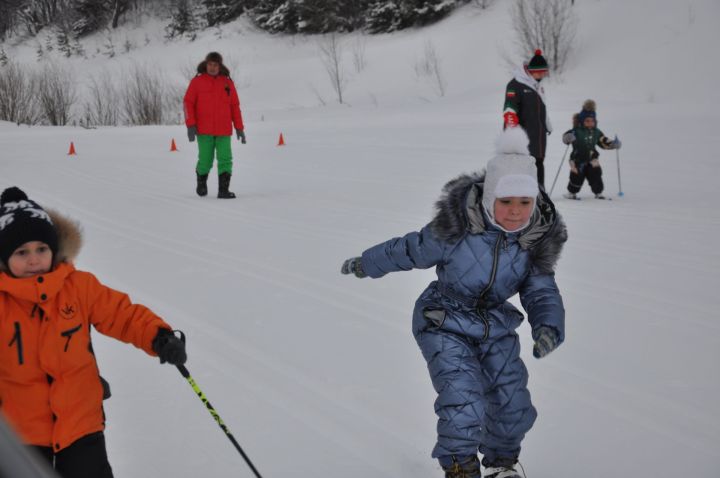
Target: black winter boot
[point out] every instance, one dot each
(223, 187)
(502, 467)
(470, 468)
(201, 188)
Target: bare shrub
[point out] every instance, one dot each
(331, 52)
(57, 93)
(101, 104)
(144, 96)
(358, 54)
(17, 94)
(546, 24)
(430, 67)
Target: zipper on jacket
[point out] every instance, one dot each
(68, 334)
(493, 273)
(18, 338)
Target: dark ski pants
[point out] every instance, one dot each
(85, 458)
(593, 176)
(540, 164)
(483, 402)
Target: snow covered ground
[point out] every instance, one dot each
(317, 374)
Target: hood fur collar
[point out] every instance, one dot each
(459, 212)
(69, 239)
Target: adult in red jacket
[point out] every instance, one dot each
(212, 108)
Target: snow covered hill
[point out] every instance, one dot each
(317, 374)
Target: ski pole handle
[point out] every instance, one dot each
(185, 373)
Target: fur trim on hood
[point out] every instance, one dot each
(69, 239)
(459, 212)
(202, 68)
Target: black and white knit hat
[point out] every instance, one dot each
(21, 221)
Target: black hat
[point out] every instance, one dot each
(21, 221)
(215, 57)
(538, 62)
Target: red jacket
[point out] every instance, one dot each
(212, 105)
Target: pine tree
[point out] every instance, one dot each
(183, 21)
(223, 11)
(89, 16)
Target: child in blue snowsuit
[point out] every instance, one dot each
(494, 235)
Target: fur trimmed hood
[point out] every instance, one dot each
(202, 68)
(69, 239)
(459, 212)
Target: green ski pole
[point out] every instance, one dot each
(185, 373)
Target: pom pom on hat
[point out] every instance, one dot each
(512, 141)
(12, 194)
(588, 111)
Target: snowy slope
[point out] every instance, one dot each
(317, 374)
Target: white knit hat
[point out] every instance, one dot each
(512, 172)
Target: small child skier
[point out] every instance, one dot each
(495, 234)
(51, 391)
(584, 163)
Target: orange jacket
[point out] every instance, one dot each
(212, 105)
(50, 389)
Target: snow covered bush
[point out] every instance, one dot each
(57, 93)
(17, 94)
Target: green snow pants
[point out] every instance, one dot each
(207, 148)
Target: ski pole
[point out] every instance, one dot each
(185, 373)
(558, 173)
(617, 155)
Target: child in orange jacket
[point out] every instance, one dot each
(51, 391)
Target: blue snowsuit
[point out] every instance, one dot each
(463, 323)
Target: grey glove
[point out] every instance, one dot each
(546, 340)
(353, 266)
(568, 137)
(616, 143)
(240, 134)
(192, 132)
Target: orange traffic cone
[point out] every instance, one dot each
(172, 145)
(281, 141)
(72, 149)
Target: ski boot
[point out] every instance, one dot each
(223, 187)
(570, 196)
(201, 188)
(599, 196)
(502, 467)
(468, 467)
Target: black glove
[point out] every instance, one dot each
(169, 347)
(240, 134)
(546, 340)
(353, 266)
(192, 132)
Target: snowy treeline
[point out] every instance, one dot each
(73, 19)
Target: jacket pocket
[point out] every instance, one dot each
(435, 316)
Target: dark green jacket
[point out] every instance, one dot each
(584, 145)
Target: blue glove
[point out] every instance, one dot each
(546, 340)
(240, 134)
(192, 132)
(568, 137)
(616, 144)
(353, 266)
